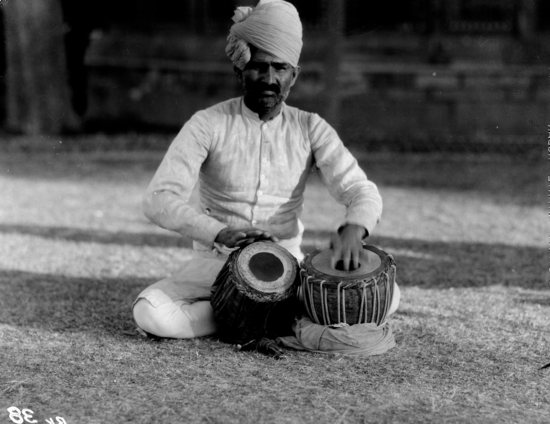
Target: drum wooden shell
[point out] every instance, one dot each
(254, 294)
(333, 297)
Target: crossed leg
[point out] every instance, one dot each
(178, 306)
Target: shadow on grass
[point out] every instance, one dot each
(442, 264)
(535, 299)
(88, 235)
(420, 263)
(61, 303)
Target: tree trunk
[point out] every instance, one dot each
(334, 18)
(527, 19)
(37, 92)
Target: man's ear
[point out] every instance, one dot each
(239, 74)
(295, 72)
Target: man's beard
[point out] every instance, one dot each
(264, 97)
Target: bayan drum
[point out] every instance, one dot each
(335, 296)
(254, 294)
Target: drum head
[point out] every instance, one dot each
(371, 262)
(267, 267)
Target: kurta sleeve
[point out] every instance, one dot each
(341, 173)
(167, 199)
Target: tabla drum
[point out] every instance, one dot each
(254, 294)
(334, 296)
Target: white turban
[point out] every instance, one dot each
(272, 26)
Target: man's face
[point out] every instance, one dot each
(266, 81)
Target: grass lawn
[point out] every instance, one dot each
(469, 235)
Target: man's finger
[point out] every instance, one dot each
(238, 235)
(263, 235)
(270, 237)
(234, 238)
(355, 259)
(254, 232)
(267, 236)
(245, 241)
(336, 247)
(257, 235)
(346, 257)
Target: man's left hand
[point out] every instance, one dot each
(347, 246)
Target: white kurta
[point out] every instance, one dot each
(253, 173)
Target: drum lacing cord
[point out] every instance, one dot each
(377, 314)
(306, 294)
(362, 313)
(340, 303)
(376, 302)
(389, 290)
(324, 303)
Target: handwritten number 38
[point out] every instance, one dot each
(20, 416)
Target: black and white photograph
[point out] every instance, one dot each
(274, 211)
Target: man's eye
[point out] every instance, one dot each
(254, 66)
(263, 67)
(281, 67)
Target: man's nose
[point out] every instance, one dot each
(268, 75)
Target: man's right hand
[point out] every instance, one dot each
(239, 237)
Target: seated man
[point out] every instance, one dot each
(251, 156)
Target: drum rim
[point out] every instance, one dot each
(266, 296)
(385, 261)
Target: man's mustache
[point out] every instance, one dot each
(267, 87)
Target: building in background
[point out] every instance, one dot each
(398, 73)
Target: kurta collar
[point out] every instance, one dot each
(253, 116)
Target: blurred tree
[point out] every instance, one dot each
(527, 19)
(37, 91)
(80, 19)
(334, 11)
